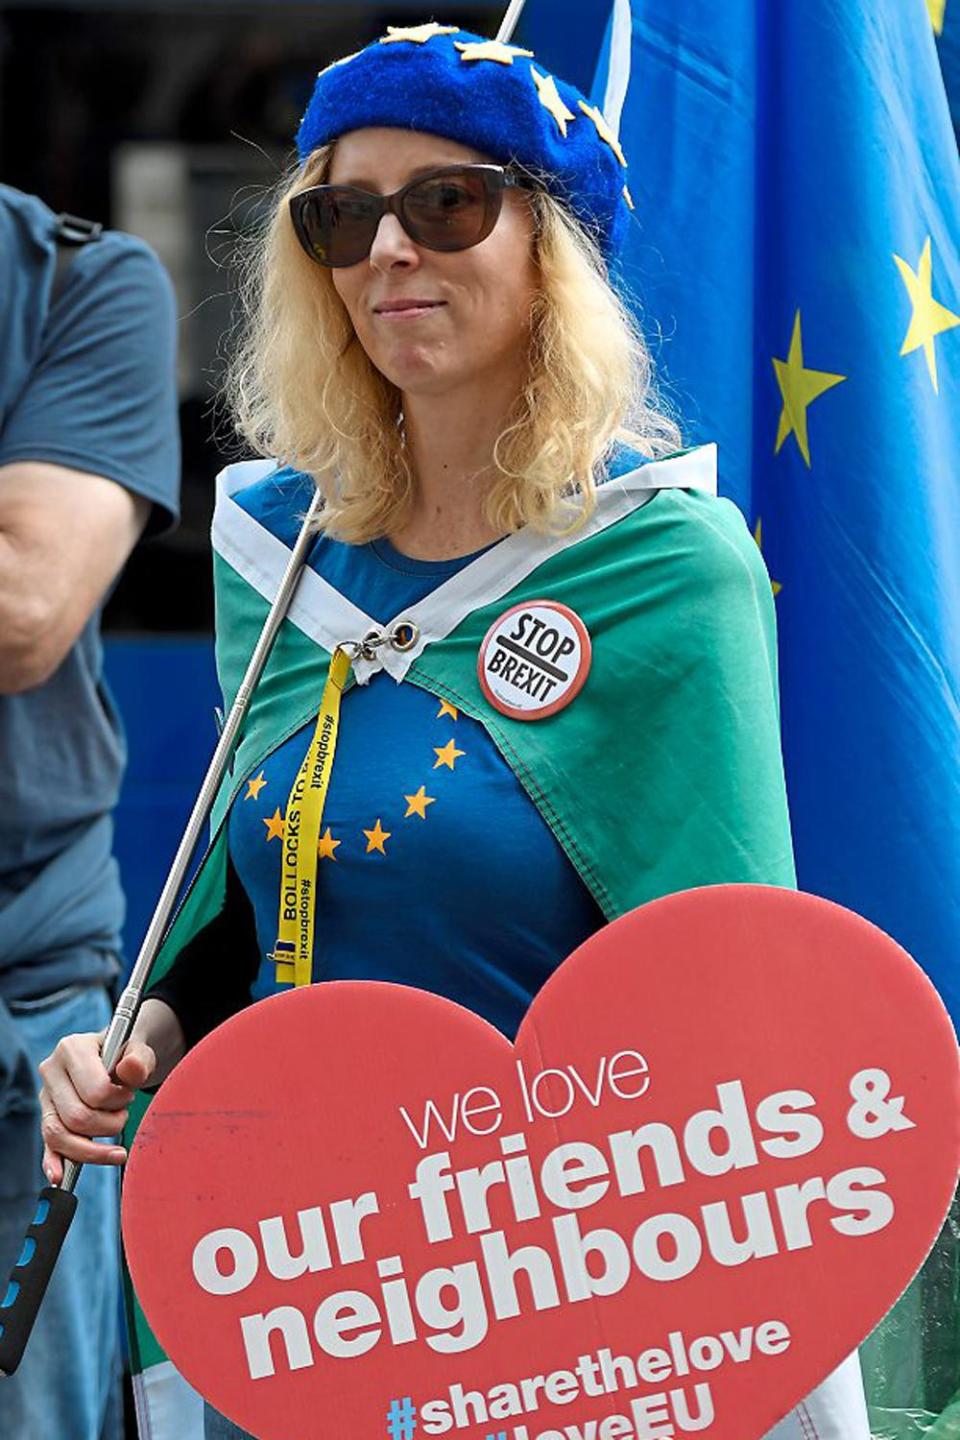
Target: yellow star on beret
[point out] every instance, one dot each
(418, 34)
(490, 50)
(550, 99)
(604, 131)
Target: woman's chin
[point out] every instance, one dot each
(417, 373)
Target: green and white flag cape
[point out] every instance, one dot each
(663, 774)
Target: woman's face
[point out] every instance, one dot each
(478, 319)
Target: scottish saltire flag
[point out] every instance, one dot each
(795, 262)
(721, 625)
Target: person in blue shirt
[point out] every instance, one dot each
(89, 460)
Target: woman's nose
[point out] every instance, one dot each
(392, 245)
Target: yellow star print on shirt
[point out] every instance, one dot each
(490, 50)
(417, 804)
(604, 131)
(275, 825)
(326, 845)
(447, 754)
(377, 838)
(551, 101)
(418, 34)
(447, 709)
(254, 787)
(929, 317)
(799, 388)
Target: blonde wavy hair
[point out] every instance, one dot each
(300, 388)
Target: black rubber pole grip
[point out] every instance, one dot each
(31, 1274)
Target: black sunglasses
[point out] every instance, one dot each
(451, 208)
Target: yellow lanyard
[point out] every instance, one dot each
(301, 835)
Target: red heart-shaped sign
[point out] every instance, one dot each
(721, 1147)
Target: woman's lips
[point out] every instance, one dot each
(409, 310)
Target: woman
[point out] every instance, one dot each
(432, 339)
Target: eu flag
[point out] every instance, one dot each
(795, 262)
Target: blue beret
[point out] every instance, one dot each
(486, 95)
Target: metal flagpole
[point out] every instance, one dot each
(31, 1275)
(509, 23)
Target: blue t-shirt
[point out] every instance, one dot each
(435, 867)
(89, 384)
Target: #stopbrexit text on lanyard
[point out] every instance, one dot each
(293, 952)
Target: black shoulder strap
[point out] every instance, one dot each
(70, 234)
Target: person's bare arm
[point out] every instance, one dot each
(64, 537)
(79, 1101)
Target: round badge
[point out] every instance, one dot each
(534, 660)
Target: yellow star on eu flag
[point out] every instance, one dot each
(254, 787)
(447, 754)
(551, 101)
(275, 825)
(417, 34)
(929, 317)
(326, 845)
(604, 131)
(775, 585)
(417, 804)
(799, 388)
(447, 709)
(377, 838)
(490, 50)
(936, 9)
